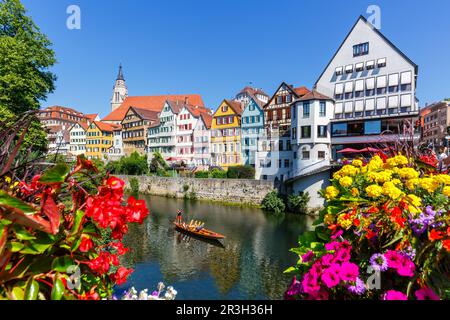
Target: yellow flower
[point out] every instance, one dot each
(411, 184)
(414, 200)
(408, 173)
(375, 164)
(328, 219)
(390, 190)
(397, 182)
(380, 177)
(344, 222)
(397, 161)
(442, 179)
(429, 184)
(446, 191)
(8, 180)
(331, 193)
(374, 191)
(346, 182)
(355, 192)
(357, 163)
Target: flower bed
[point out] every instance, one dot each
(384, 234)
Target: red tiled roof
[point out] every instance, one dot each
(154, 103)
(314, 95)
(253, 91)
(106, 126)
(301, 91)
(91, 116)
(207, 119)
(146, 114)
(236, 106)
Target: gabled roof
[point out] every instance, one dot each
(145, 114)
(106, 126)
(297, 92)
(207, 120)
(362, 18)
(91, 117)
(83, 125)
(235, 105)
(314, 95)
(153, 103)
(253, 91)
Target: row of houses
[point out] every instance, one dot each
(366, 95)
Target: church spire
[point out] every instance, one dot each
(120, 75)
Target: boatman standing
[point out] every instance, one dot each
(179, 216)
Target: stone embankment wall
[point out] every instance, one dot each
(247, 192)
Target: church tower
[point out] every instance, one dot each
(120, 91)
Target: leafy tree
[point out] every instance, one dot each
(218, 174)
(135, 164)
(241, 172)
(158, 163)
(25, 79)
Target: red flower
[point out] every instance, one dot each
(121, 250)
(115, 183)
(436, 235)
(448, 231)
(100, 264)
(86, 244)
(446, 245)
(120, 277)
(357, 222)
(91, 295)
(137, 210)
(397, 217)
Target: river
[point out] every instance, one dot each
(249, 265)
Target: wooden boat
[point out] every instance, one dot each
(204, 233)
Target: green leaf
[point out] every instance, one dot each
(323, 233)
(17, 293)
(31, 289)
(75, 245)
(56, 174)
(12, 203)
(40, 245)
(22, 234)
(291, 270)
(61, 264)
(58, 289)
(397, 238)
(79, 215)
(15, 246)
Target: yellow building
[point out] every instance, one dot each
(226, 135)
(99, 139)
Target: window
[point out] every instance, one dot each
(349, 68)
(306, 109)
(361, 49)
(294, 111)
(339, 71)
(224, 108)
(355, 129)
(279, 100)
(321, 154)
(372, 127)
(370, 65)
(286, 163)
(381, 63)
(294, 134)
(306, 132)
(305, 154)
(339, 129)
(288, 98)
(359, 67)
(322, 131)
(323, 109)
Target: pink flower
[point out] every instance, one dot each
(331, 276)
(337, 234)
(349, 271)
(294, 289)
(310, 284)
(342, 255)
(394, 259)
(320, 295)
(395, 295)
(307, 257)
(332, 246)
(407, 267)
(316, 269)
(426, 294)
(327, 260)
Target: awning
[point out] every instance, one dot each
(348, 150)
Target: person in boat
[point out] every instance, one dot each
(200, 227)
(179, 217)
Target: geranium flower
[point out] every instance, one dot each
(349, 271)
(115, 183)
(86, 244)
(121, 250)
(426, 294)
(394, 295)
(379, 262)
(120, 277)
(330, 276)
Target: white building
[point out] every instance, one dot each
(373, 84)
(120, 91)
(116, 151)
(202, 141)
(77, 134)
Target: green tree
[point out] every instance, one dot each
(273, 203)
(25, 79)
(299, 203)
(158, 164)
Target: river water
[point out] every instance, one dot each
(248, 265)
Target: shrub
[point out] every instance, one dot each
(202, 174)
(134, 165)
(241, 172)
(218, 174)
(273, 203)
(299, 203)
(134, 186)
(158, 163)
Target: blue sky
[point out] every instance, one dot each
(215, 47)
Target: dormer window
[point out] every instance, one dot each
(359, 67)
(370, 65)
(224, 108)
(339, 71)
(381, 63)
(349, 69)
(361, 49)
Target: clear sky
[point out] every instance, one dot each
(216, 47)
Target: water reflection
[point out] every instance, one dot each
(249, 264)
